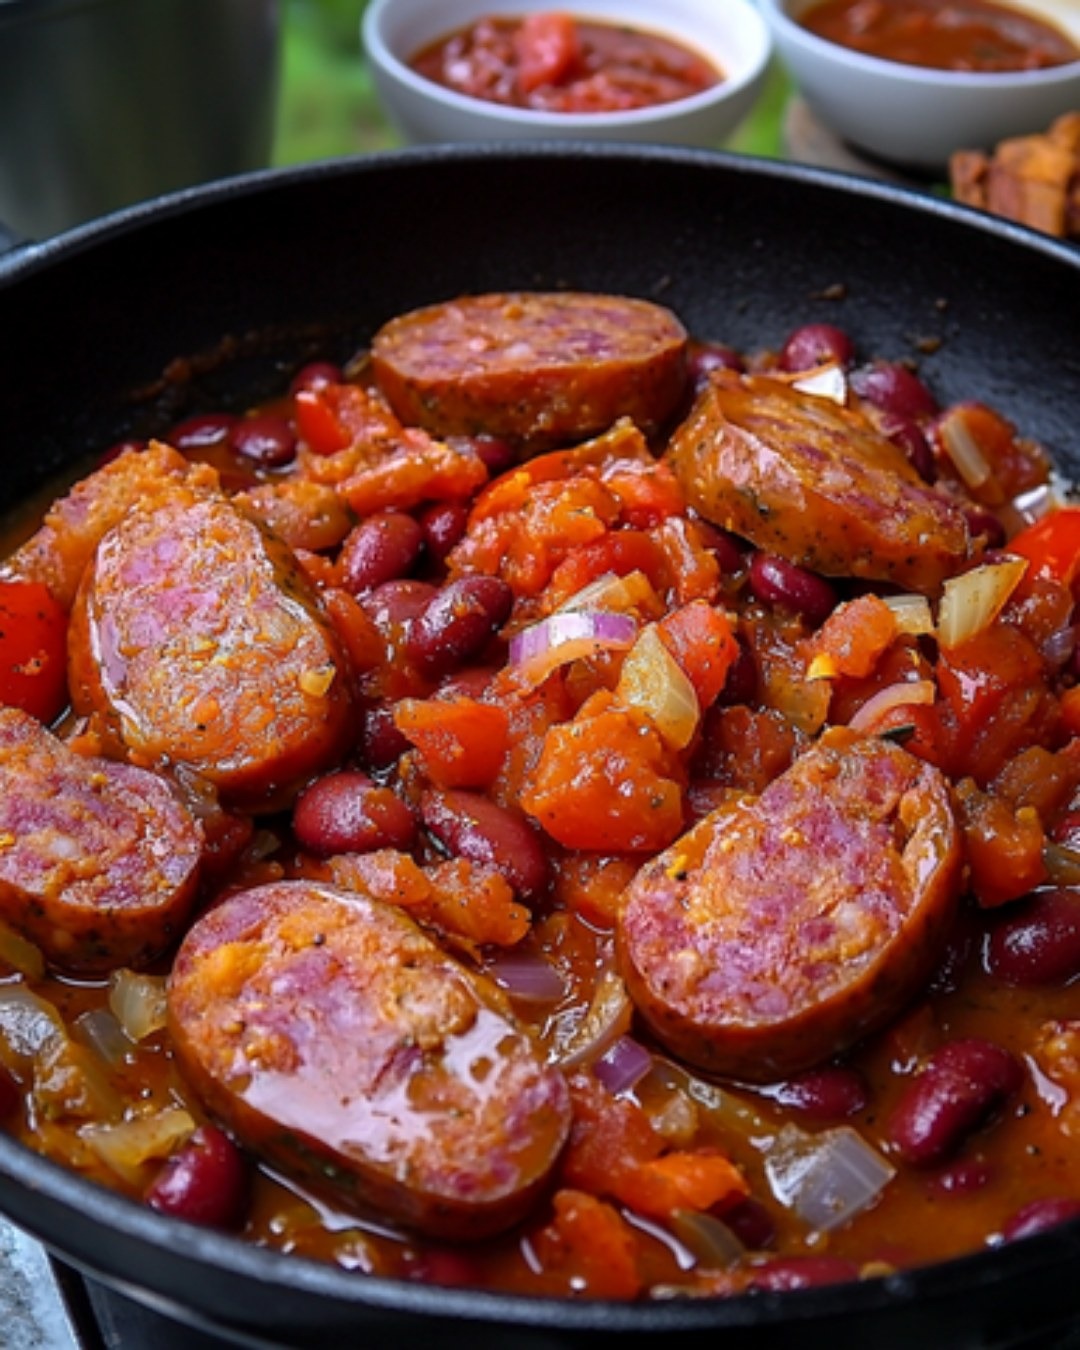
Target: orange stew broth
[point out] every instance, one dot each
(556, 62)
(1025, 1152)
(968, 35)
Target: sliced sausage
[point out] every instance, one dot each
(813, 483)
(197, 640)
(58, 552)
(784, 928)
(99, 861)
(544, 368)
(337, 1041)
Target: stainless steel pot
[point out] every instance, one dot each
(106, 102)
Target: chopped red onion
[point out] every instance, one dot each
(566, 636)
(528, 978)
(623, 1064)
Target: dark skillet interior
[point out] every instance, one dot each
(258, 275)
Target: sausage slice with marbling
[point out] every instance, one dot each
(341, 1044)
(545, 368)
(808, 480)
(99, 861)
(782, 929)
(197, 640)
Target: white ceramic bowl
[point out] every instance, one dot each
(731, 33)
(916, 117)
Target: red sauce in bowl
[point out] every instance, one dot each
(554, 62)
(969, 35)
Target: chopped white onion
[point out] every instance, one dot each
(29, 1026)
(99, 1030)
(653, 681)
(615, 594)
(826, 1178)
(567, 636)
(138, 1002)
(20, 953)
(126, 1146)
(903, 694)
(707, 1238)
(963, 449)
(912, 613)
(972, 601)
(826, 381)
(607, 1018)
(530, 979)
(623, 1065)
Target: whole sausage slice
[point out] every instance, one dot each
(781, 930)
(196, 640)
(540, 367)
(341, 1044)
(99, 861)
(812, 482)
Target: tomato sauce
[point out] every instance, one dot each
(969, 35)
(560, 668)
(555, 62)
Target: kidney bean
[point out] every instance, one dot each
(752, 1224)
(742, 680)
(827, 1093)
(908, 435)
(9, 1094)
(395, 605)
(265, 439)
(984, 522)
(893, 388)
(316, 375)
(803, 1272)
(346, 812)
(443, 525)
(447, 1267)
(458, 623)
(1066, 831)
(723, 546)
(204, 1182)
(815, 343)
(1037, 1216)
(201, 430)
(775, 581)
(497, 454)
(705, 357)
(962, 1085)
(381, 743)
(1037, 940)
(470, 825)
(382, 548)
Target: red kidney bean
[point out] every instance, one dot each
(458, 623)
(443, 525)
(201, 430)
(775, 581)
(381, 743)
(265, 439)
(10, 1095)
(752, 1224)
(908, 435)
(316, 375)
(962, 1085)
(827, 1093)
(346, 812)
(446, 1267)
(1037, 940)
(497, 454)
(1066, 831)
(1038, 1216)
(705, 357)
(724, 546)
(803, 1272)
(815, 343)
(382, 548)
(893, 388)
(395, 605)
(742, 680)
(204, 1182)
(984, 522)
(470, 825)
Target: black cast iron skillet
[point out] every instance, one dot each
(251, 277)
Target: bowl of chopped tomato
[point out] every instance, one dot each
(911, 82)
(615, 70)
